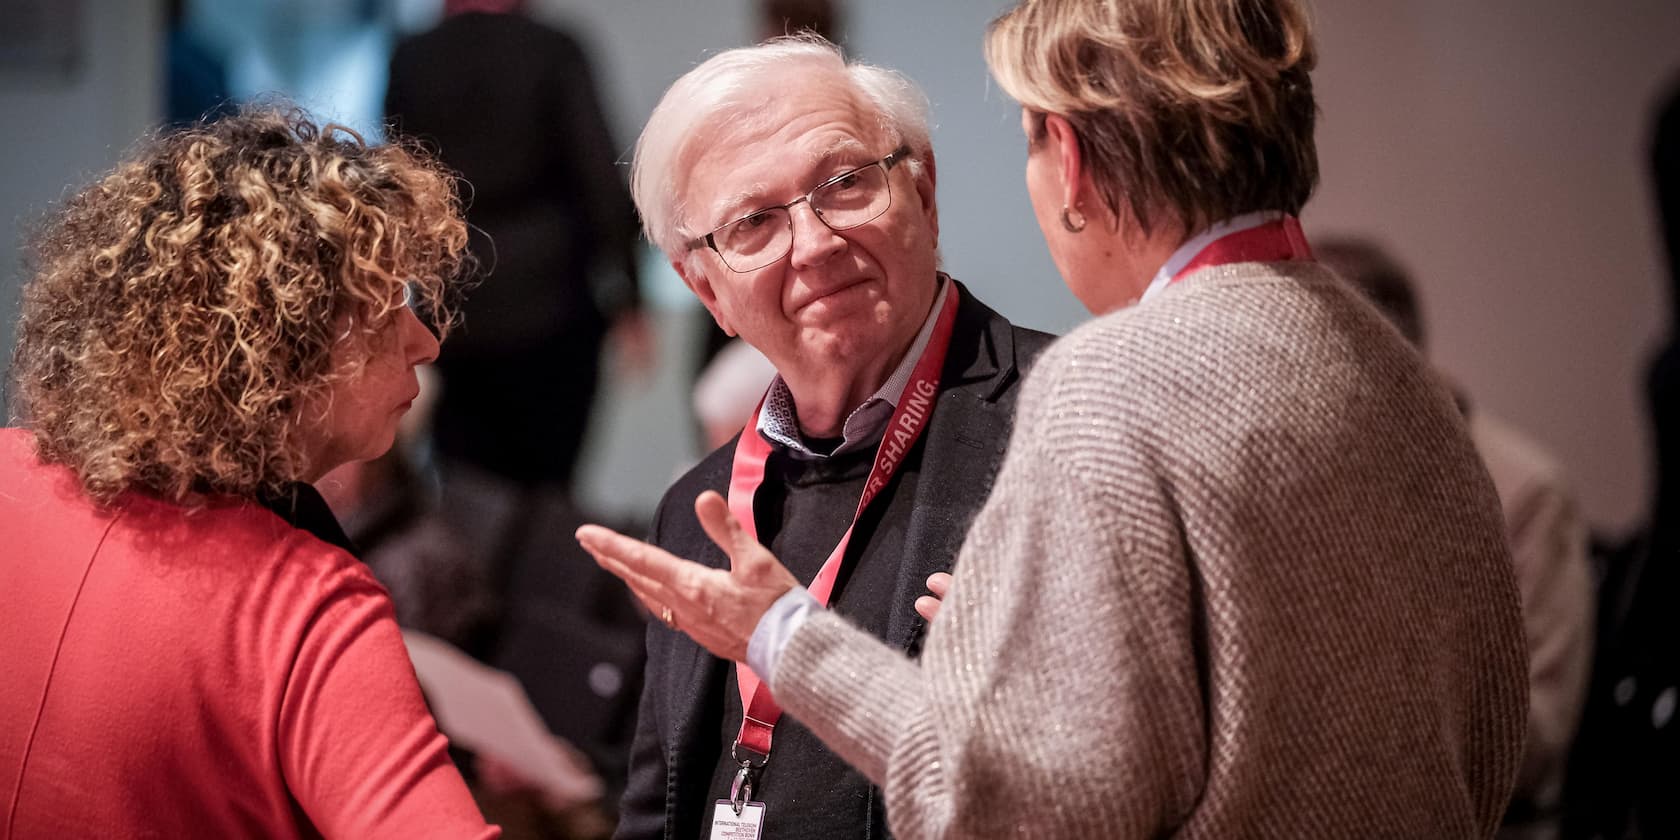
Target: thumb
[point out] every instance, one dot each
(720, 524)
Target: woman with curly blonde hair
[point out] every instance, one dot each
(1241, 573)
(191, 649)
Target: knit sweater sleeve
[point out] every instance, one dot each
(1057, 693)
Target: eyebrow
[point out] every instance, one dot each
(750, 199)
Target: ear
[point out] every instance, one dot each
(697, 282)
(1064, 144)
(925, 194)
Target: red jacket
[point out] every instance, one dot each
(211, 673)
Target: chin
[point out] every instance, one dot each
(377, 449)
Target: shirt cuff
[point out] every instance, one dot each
(774, 629)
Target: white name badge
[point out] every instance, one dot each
(727, 826)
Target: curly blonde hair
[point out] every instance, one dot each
(184, 309)
(1200, 108)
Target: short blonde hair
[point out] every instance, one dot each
(1202, 109)
(725, 88)
(183, 310)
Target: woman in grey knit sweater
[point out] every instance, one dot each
(1241, 573)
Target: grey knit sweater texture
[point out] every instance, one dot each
(1242, 574)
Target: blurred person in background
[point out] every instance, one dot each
(794, 193)
(1242, 573)
(568, 633)
(1548, 542)
(192, 650)
(1626, 765)
(195, 74)
(511, 105)
(728, 390)
(777, 18)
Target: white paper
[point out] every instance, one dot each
(748, 826)
(487, 711)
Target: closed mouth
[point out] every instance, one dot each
(827, 293)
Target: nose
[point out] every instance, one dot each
(420, 347)
(814, 242)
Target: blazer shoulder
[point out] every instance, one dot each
(990, 353)
(1029, 343)
(674, 518)
(711, 473)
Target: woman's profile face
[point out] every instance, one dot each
(360, 419)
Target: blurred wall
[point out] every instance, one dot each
(59, 130)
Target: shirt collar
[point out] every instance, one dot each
(303, 507)
(778, 423)
(1194, 245)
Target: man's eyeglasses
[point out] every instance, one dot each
(844, 201)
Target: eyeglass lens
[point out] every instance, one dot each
(762, 238)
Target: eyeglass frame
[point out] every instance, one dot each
(892, 159)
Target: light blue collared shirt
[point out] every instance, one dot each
(1194, 245)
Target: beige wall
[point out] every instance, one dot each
(1500, 148)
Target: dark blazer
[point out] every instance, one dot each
(671, 763)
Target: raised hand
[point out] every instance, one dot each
(718, 609)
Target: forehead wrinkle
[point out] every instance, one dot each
(729, 207)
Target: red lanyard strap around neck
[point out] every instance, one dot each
(909, 419)
(1276, 241)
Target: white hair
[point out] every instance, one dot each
(726, 87)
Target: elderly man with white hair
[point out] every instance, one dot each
(794, 193)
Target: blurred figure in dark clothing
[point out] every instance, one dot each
(194, 74)
(788, 17)
(489, 563)
(1663, 382)
(511, 104)
(554, 620)
(1626, 765)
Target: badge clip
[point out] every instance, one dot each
(741, 790)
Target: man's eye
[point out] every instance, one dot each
(845, 182)
(753, 222)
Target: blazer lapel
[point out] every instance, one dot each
(963, 448)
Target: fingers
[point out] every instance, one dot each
(654, 575)
(939, 583)
(927, 607)
(721, 525)
(635, 555)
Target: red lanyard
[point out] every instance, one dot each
(909, 418)
(1276, 241)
